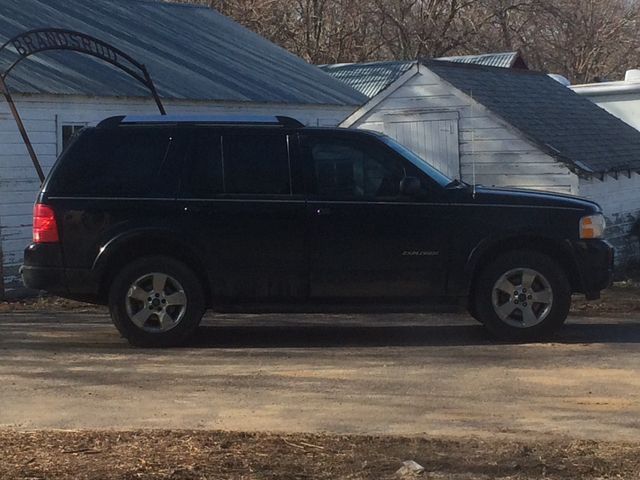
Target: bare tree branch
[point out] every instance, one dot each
(581, 39)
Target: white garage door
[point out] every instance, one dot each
(433, 136)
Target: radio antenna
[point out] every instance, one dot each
(473, 148)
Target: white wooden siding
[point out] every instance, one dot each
(624, 105)
(498, 154)
(620, 201)
(44, 114)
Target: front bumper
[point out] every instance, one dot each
(594, 261)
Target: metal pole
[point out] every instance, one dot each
(154, 92)
(2, 292)
(21, 127)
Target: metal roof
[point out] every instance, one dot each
(502, 60)
(192, 53)
(372, 78)
(368, 78)
(562, 123)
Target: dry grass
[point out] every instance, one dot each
(222, 455)
(621, 299)
(47, 303)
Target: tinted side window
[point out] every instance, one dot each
(348, 168)
(256, 164)
(205, 178)
(133, 162)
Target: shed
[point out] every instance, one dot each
(201, 62)
(514, 128)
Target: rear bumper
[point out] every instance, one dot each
(50, 279)
(594, 261)
(43, 270)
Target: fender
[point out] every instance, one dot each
(114, 246)
(460, 284)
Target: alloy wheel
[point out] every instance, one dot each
(522, 298)
(156, 302)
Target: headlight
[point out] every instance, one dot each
(592, 226)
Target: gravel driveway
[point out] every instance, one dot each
(437, 374)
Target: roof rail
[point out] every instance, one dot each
(289, 122)
(252, 120)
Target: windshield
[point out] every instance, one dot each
(435, 174)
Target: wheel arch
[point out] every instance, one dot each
(558, 250)
(142, 243)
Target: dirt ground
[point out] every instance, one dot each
(621, 299)
(76, 402)
(194, 455)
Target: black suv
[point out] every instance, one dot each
(164, 217)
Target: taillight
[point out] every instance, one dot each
(45, 227)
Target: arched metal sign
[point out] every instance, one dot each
(36, 41)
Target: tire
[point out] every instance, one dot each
(523, 295)
(156, 302)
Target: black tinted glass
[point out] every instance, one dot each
(350, 169)
(205, 178)
(256, 164)
(117, 163)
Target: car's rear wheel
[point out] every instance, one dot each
(156, 302)
(523, 295)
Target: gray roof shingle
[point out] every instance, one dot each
(192, 53)
(566, 125)
(372, 78)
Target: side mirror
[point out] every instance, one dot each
(410, 186)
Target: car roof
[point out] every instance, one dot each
(268, 121)
(253, 120)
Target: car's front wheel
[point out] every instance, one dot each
(523, 295)
(156, 302)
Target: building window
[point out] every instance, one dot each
(68, 131)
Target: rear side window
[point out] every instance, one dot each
(251, 164)
(256, 164)
(133, 162)
(205, 176)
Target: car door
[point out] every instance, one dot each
(367, 240)
(244, 204)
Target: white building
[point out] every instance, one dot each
(201, 62)
(512, 128)
(621, 99)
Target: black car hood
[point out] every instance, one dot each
(509, 196)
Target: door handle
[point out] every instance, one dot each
(323, 211)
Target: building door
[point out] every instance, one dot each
(433, 136)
